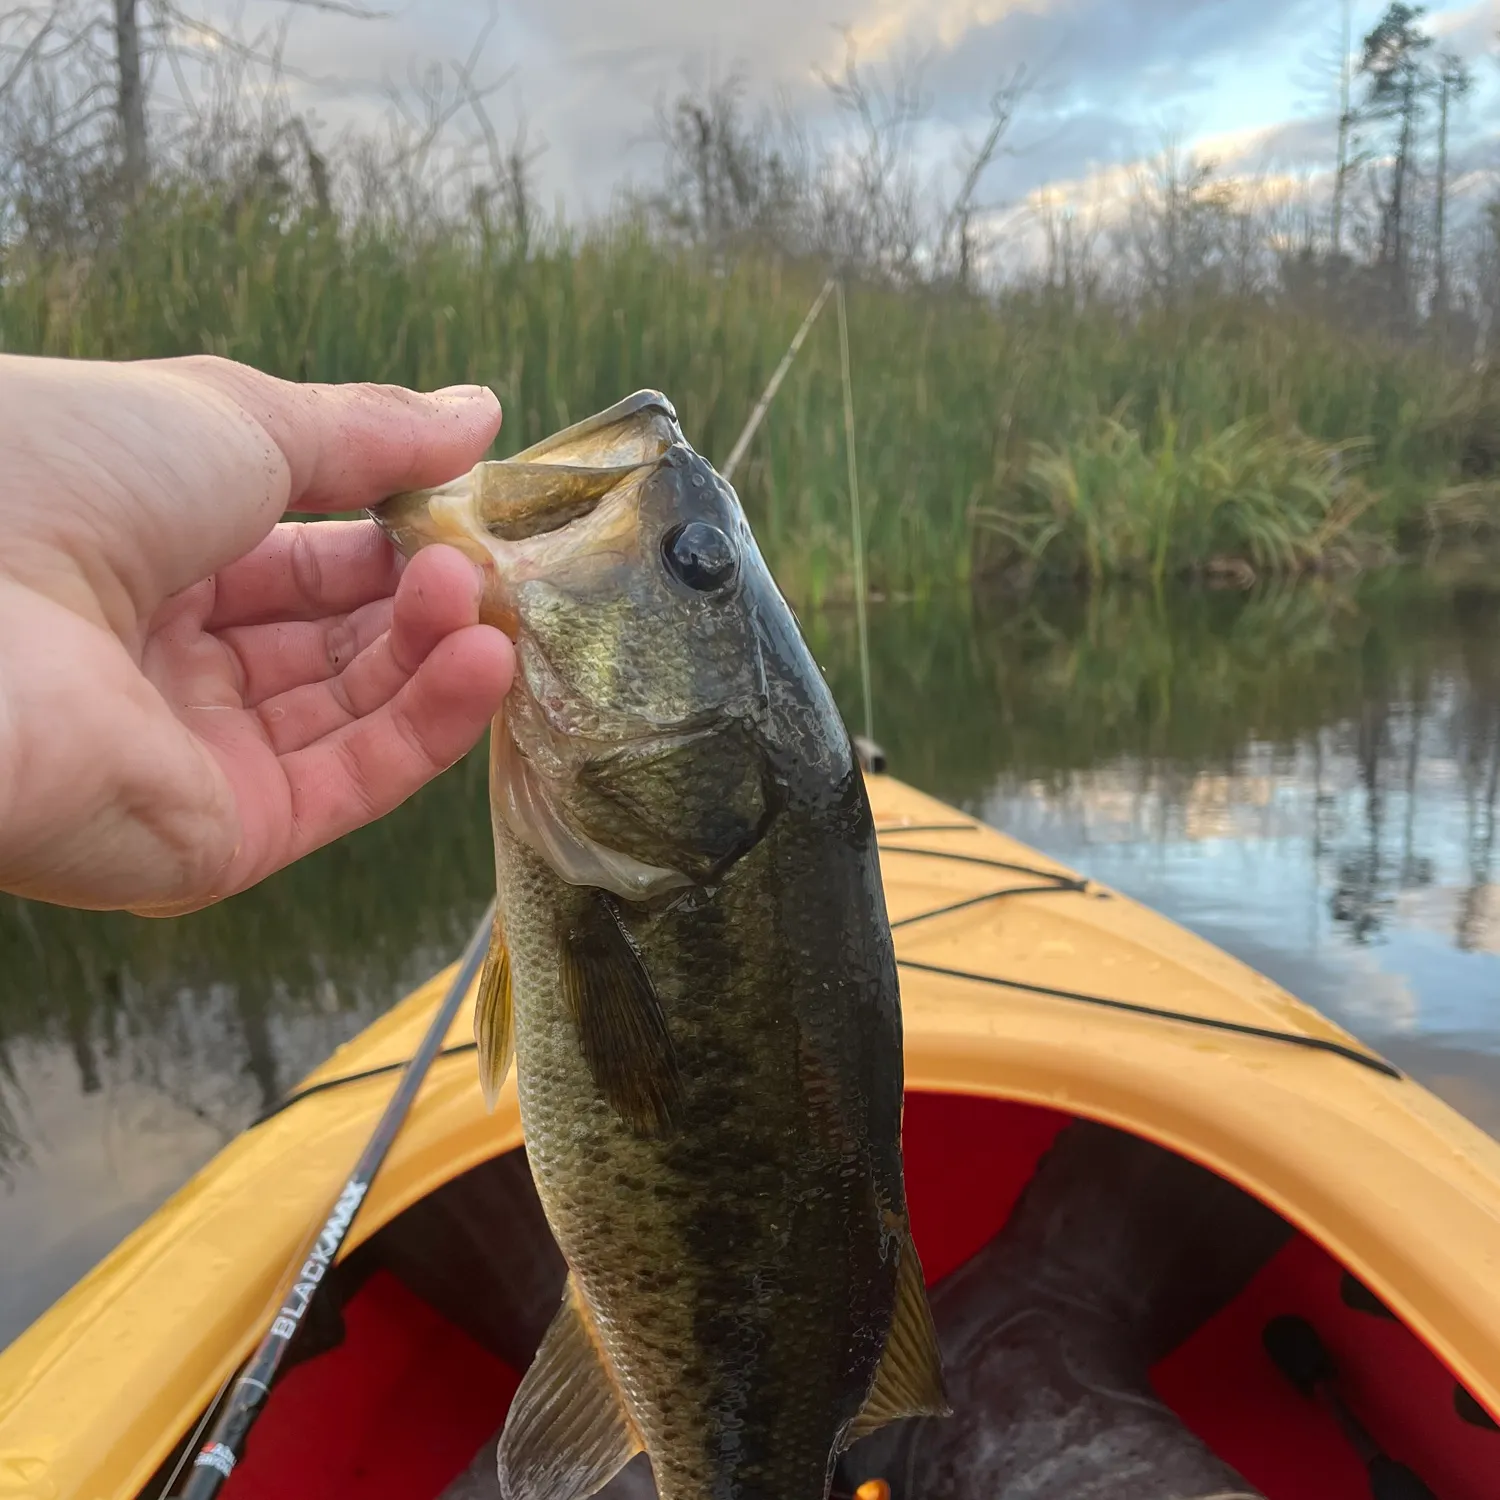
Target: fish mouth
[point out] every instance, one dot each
(561, 514)
(490, 512)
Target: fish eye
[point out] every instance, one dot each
(700, 555)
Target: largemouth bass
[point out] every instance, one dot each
(693, 965)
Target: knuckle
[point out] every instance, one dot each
(366, 806)
(414, 741)
(341, 643)
(306, 566)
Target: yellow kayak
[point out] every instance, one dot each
(1034, 1001)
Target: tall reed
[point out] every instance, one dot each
(974, 415)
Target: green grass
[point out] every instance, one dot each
(1031, 435)
(1244, 500)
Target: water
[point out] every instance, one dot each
(1308, 778)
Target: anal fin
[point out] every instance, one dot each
(621, 1027)
(568, 1433)
(909, 1379)
(494, 1017)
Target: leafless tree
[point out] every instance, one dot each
(1454, 82)
(729, 178)
(1398, 84)
(102, 103)
(1345, 161)
(869, 205)
(132, 93)
(957, 250)
(1187, 231)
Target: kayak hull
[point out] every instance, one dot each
(1377, 1176)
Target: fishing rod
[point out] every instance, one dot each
(736, 453)
(226, 1442)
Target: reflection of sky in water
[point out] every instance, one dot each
(1355, 869)
(1352, 864)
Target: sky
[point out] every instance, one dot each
(1249, 82)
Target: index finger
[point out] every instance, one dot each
(305, 570)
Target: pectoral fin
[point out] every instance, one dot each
(568, 1433)
(494, 1017)
(621, 1027)
(909, 1379)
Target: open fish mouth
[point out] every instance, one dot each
(561, 523)
(499, 505)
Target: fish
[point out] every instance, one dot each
(692, 972)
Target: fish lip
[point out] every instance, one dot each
(647, 399)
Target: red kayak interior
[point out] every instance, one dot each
(405, 1401)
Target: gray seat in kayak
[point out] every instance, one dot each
(1115, 1253)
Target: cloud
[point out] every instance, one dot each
(1105, 54)
(590, 70)
(1470, 32)
(1109, 78)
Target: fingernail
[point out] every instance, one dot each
(463, 393)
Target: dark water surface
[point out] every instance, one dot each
(1308, 778)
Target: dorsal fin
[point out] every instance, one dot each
(568, 1432)
(909, 1379)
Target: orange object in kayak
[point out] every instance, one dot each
(1038, 1008)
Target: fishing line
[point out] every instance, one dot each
(727, 470)
(192, 1442)
(856, 523)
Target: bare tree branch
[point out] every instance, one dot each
(960, 217)
(342, 8)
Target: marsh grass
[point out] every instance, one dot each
(1245, 500)
(1033, 433)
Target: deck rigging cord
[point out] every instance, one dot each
(216, 1458)
(1058, 881)
(1049, 882)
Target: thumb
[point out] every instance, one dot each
(349, 446)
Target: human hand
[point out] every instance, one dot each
(191, 695)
